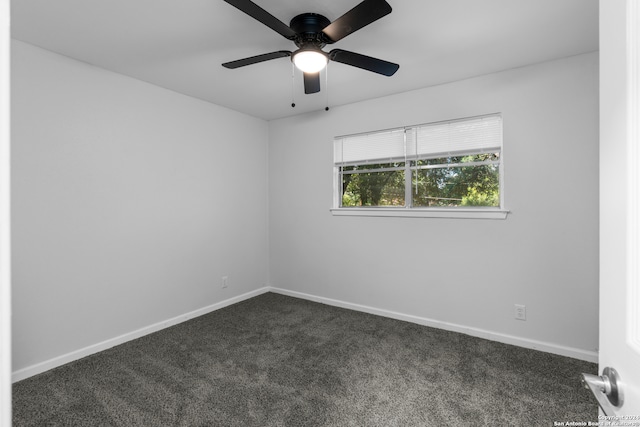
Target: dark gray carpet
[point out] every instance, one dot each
(280, 361)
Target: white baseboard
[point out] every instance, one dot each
(590, 356)
(95, 348)
(576, 353)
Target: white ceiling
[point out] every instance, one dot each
(180, 44)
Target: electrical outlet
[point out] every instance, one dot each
(521, 312)
(225, 281)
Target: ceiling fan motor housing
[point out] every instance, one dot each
(308, 28)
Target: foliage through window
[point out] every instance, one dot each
(453, 164)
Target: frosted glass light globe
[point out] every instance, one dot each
(310, 61)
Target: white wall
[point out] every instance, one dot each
(131, 201)
(454, 272)
(129, 204)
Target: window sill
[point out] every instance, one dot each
(423, 213)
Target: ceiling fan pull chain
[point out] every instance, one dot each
(293, 77)
(326, 85)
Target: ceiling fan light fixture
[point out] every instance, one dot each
(310, 60)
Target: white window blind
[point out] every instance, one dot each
(365, 148)
(477, 134)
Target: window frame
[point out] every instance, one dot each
(410, 165)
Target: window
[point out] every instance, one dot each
(453, 166)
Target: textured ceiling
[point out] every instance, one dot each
(180, 44)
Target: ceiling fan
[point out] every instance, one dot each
(311, 32)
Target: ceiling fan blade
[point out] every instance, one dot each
(363, 14)
(368, 63)
(255, 59)
(311, 82)
(258, 13)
